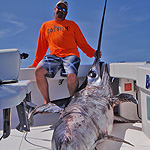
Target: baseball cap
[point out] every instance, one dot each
(63, 2)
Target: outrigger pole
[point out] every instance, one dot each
(101, 29)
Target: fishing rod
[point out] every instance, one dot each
(101, 29)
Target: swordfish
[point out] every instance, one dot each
(88, 119)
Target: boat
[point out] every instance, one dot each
(18, 89)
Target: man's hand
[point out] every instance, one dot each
(100, 54)
(31, 66)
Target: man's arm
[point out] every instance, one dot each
(82, 43)
(42, 47)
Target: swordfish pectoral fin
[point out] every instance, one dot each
(44, 109)
(113, 138)
(120, 119)
(123, 97)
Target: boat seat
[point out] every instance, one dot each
(11, 96)
(16, 94)
(26, 84)
(59, 82)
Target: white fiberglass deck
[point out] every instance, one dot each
(40, 139)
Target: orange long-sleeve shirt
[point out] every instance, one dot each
(63, 39)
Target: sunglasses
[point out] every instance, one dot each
(60, 8)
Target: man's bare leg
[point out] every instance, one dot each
(42, 82)
(72, 83)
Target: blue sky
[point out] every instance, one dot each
(126, 34)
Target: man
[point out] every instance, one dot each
(63, 37)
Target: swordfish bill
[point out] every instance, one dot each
(100, 37)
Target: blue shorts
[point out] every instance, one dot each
(53, 64)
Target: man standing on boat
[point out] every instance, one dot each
(62, 37)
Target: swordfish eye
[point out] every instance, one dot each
(92, 74)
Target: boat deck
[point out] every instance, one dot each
(39, 138)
